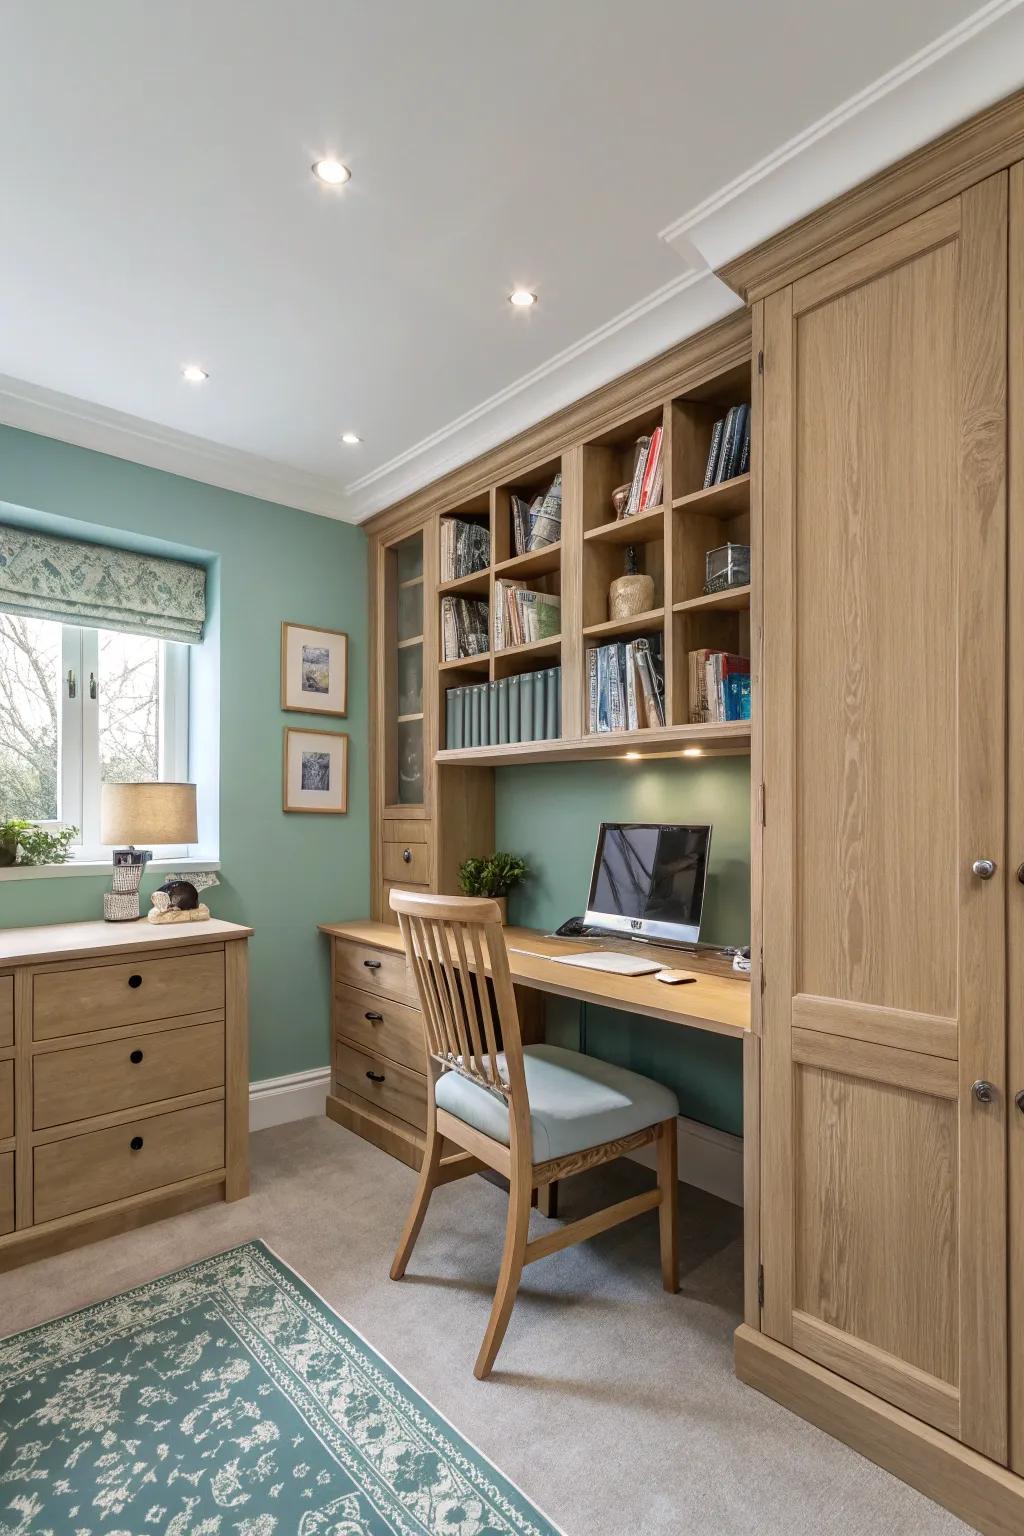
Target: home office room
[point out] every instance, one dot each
(511, 887)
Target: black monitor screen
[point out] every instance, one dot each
(651, 878)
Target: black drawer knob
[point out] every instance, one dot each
(372, 965)
(407, 855)
(135, 1058)
(136, 1143)
(375, 1077)
(374, 1018)
(135, 981)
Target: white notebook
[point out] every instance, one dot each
(611, 960)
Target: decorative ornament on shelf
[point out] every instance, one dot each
(494, 877)
(177, 900)
(620, 496)
(153, 813)
(631, 593)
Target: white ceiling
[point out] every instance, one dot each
(158, 206)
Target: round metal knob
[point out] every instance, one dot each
(407, 855)
(1020, 873)
(135, 1058)
(984, 868)
(983, 1091)
(135, 981)
(136, 1143)
(1019, 1101)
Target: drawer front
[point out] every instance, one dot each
(379, 971)
(85, 1171)
(6, 1192)
(6, 1099)
(135, 992)
(383, 1028)
(396, 1089)
(99, 1079)
(6, 1010)
(406, 863)
(401, 830)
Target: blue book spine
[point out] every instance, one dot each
(474, 707)
(453, 718)
(551, 704)
(539, 705)
(514, 695)
(526, 686)
(503, 712)
(491, 732)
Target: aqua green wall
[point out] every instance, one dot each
(281, 874)
(550, 813)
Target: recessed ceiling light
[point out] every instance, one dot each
(350, 438)
(331, 172)
(693, 751)
(522, 298)
(193, 374)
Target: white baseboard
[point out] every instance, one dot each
(708, 1159)
(299, 1096)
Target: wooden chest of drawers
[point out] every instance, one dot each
(124, 1082)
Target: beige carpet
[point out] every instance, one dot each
(613, 1405)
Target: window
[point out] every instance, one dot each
(83, 707)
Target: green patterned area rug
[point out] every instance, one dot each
(229, 1400)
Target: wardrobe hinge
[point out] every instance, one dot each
(760, 362)
(760, 1285)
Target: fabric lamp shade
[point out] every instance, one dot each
(148, 813)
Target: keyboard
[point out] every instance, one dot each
(611, 960)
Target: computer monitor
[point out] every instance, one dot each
(648, 880)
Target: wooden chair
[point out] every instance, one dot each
(534, 1115)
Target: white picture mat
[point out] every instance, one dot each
(299, 799)
(334, 701)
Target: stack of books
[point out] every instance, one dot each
(523, 615)
(465, 548)
(537, 523)
(729, 454)
(463, 627)
(719, 687)
(626, 685)
(648, 475)
(523, 708)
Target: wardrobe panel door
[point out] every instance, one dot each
(883, 1205)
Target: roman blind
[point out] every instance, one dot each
(51, 578)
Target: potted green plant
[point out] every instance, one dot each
(23, 842)
(494, 876)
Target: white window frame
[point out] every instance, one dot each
(78, 777)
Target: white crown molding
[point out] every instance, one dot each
(51, 414)
(958, 74)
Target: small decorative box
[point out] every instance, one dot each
(728, 566)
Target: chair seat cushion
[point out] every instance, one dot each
(576, 1102)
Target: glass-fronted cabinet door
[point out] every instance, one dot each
(404, 646)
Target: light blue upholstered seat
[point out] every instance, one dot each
(575, 1102)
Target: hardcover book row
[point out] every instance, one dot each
(527, 707)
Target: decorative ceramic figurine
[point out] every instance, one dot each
(177, 900)
(632, 593)
(619, 498)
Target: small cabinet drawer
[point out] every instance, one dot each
(406, 863)
(85, 1171)
(380, 971)
(6, 1010)
(120, 1074)
(402, 830)
(378, 1025)
(104, 996)
(397, 1089)
(6, 1099)
(6, 1192)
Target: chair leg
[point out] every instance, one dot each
(668, 1210)
(424, 1189)
(516, 1232)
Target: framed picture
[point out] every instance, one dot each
(315, 771)
(314, 670)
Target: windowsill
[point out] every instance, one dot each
(99, 867)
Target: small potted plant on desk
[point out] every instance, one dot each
(494, 876)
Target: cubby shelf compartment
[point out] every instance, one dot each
(641, 528)
(723, 500)
(537, 562)
(638, 624)
(549, 646)
(732, 600)
(729, 740)
(479, 663)
(476, 584)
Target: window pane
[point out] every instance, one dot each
(129, 708)
(30, 656)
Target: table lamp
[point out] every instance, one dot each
(141, 813)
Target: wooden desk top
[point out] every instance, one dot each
(77, 941)
(718, 1003)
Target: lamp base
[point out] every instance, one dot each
(121, 904)
(121, 907)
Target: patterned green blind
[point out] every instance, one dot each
(89, 584)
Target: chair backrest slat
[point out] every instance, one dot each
(484, 990)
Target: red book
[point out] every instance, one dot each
(653, 455)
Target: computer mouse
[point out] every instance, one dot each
(674, 978)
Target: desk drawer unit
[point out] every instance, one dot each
(406, 863)
(398, 1090)
(103, 1166)
(6, 1099)
(378, 971)
(6, 1010)
(87, 1080)
(75, 1001)
(378, 1025)
(6, 1192)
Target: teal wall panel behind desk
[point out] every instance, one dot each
(281, 874)
(550, 814)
